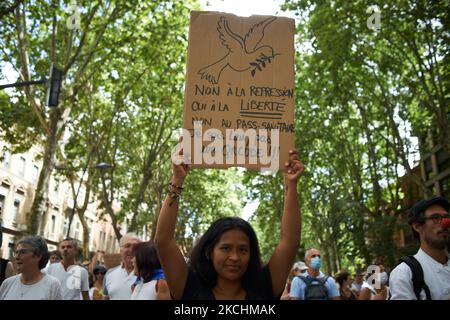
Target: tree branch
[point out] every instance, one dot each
(4, 10)
(23, 54)
(54, 25)
(70, 61)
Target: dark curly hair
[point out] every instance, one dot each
(146, 259)
(342, 277)
(201, 263)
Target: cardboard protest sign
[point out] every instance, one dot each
(112, 260)
(239, 95)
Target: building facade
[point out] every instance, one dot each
(434, 169)
(19, 174)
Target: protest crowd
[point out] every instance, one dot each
(225, 263)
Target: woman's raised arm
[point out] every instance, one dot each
(171, 258)
(283, 257)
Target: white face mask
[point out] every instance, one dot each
(383, 278)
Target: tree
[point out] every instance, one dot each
(33, 38)
(100, 52)
(353, 108)
(207, 195)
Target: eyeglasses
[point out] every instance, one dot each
(315, 255)
(21, 252)
(128, 245)
(437, 217)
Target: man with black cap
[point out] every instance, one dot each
(426, 275)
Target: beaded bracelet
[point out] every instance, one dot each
(174, 193)
(173, 185)
(173, 190)
(174, 197)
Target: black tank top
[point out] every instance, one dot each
(351, 297)
(3, 265)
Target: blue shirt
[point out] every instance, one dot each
(157, 274)
(298, 286)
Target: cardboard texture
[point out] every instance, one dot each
(240, 75)
(112, 260)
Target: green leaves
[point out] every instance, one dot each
(357, 92)
(360, 96)
(124, 78)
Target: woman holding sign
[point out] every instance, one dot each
(225, 264)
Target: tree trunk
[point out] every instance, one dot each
(40, 202)
(372, 162)
(328, 259)
(85, 236)
(337, 264)
(147, 171)
(155, 215)
(114, 222)
(142, 187)
(360, 237)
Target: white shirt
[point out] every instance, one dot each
(117, 283)
(357, 286)
(48, 288)
(73, 281)
(372, 290)
(435, 274)
(145, 291)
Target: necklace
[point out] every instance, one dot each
(25, 288)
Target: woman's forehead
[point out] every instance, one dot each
(234, 236)
(23, 246)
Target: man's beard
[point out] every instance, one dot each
(68, 256)
(436, 243)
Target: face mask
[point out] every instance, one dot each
(316, 263)
(383, 278)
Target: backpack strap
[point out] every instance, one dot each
(322, 280)
(305, 280)
(417, 276)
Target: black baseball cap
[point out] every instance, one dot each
(99, 269)
(421, 206)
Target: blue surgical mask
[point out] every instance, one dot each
(316, 263)
(384, 278)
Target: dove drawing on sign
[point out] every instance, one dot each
(242, 53)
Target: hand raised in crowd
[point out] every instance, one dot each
(179, 167)
(294, 168)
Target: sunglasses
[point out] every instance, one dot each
(437, 217)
